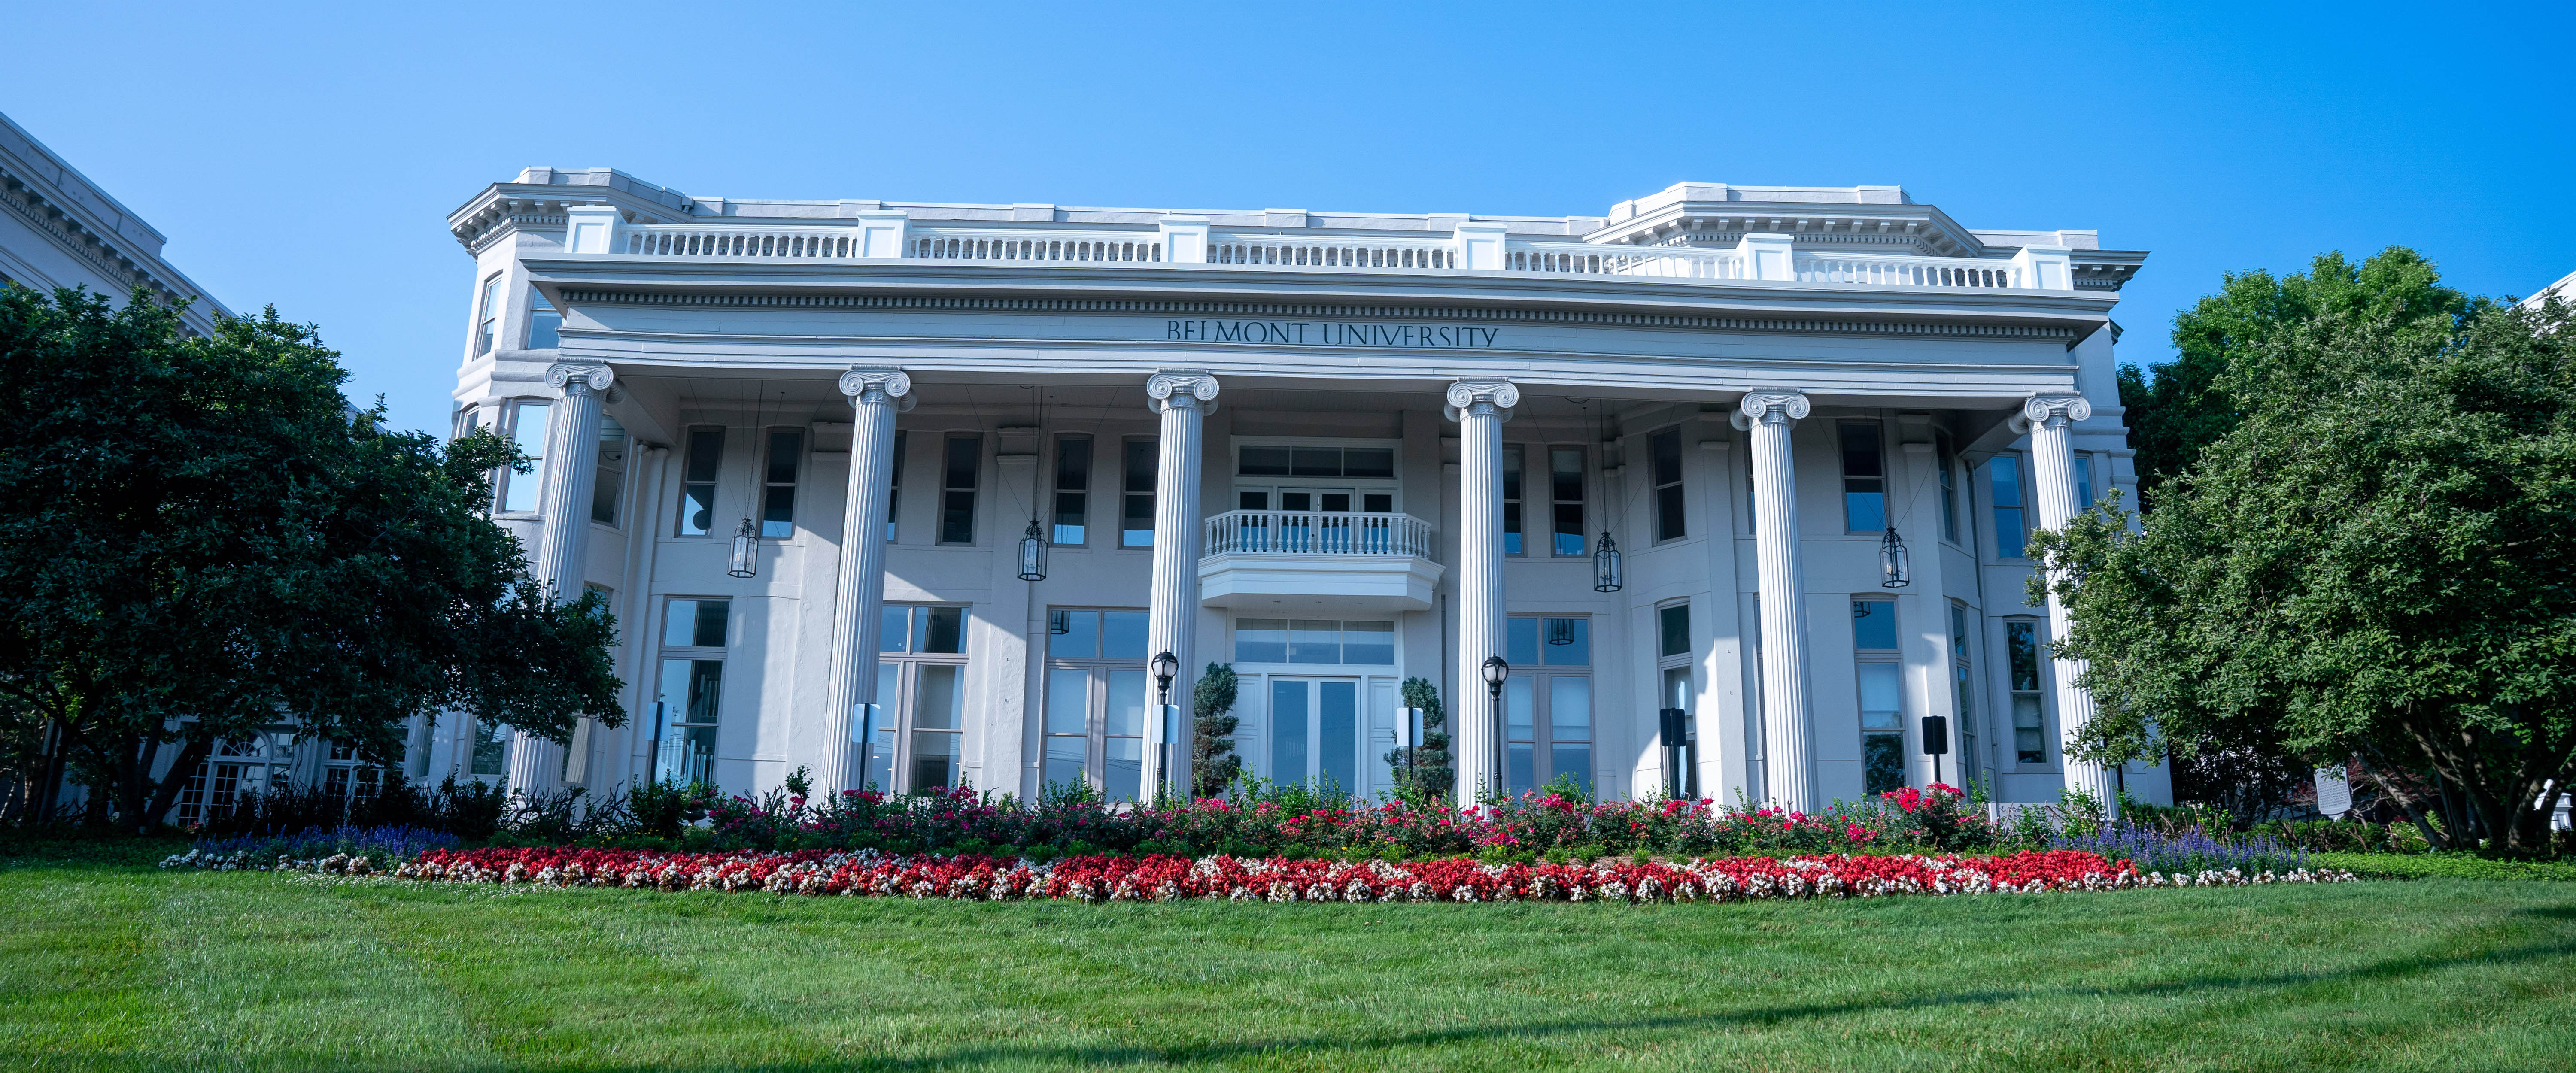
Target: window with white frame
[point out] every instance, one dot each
(1308, 476)
(2083, 482)
(960, 465)
(919, 742)
(1963, 676)
(348, 776)
(1326, 642)
(487, 753)
(699, 468)
(545, 324)
(894, 487)
(1515, 493)
(1673, 659)
(688, 703)
(487, 321)
(610, 480)
(2003, 476)
(255, 763)
(1072, 490)
(1098, 698)
(528, 433)
(1882, 707)
(1136, 498)
(1565, 496)
(1664, 455)
(1547, 702)
(2030, 728)
(1864, 477)
(778, 484)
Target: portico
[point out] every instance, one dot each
(1333, 452)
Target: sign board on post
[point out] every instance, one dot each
(1936, 741)
(2334, 792)
(1672, 725)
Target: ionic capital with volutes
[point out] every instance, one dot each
(866, 384)
(579, 378)
(1770, 408)
(1467, 392)
(1181, 389)
(2052, 409)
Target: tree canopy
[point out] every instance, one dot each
(200, 538)
(2372, 553)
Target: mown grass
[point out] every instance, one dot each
(108, 965)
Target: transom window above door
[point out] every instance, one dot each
(1316, 478)
(1320, 641)
(1361, 463)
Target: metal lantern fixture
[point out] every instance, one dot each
(1166, 667)
(1560, 631)
(746, 551)
(1496, 670)
(1606, 575)
(1892, 562)
(1033, 546)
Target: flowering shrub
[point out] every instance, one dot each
(1161, 877)
(370, 846)
(2191, 850)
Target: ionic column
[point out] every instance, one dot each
(2048, 418)
(1787, 779)
(1183, 398)
(563, 537)
(1479, 405)
(859, 600)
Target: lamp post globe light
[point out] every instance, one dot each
(1033, 553)
(1166, 667)
(746, 551)
(1496, 670)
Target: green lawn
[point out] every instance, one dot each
(106, 965)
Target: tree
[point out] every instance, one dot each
(1213, 765)
(200, 538)
(2186, 406)
(2378, 558)
(1422, 773)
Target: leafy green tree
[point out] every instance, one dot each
(199, 537)
(2186, 405)
(1213, 765)
(2378, 558)
(1422, 773)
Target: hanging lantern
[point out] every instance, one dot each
(1606, 573)
(1892, 562)
(746, 551)
(1033, 546)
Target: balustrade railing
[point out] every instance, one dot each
(1414, 253)
(1660, 262)
(688, 240)
(1317, 532)
(1898, 271)
(1026, 246)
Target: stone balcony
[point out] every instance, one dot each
(1251, 559)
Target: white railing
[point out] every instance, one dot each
(1318, 533)
(1898, 271)
(1032, 246)
(1413, 253)
(1660, 262)
(690, 240)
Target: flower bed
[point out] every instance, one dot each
(1169, 878)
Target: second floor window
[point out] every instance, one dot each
(2083, 483)
(1515, 490)
(1565, 490)
(778, 484)
(894, 487)
(528, 431)
(1136, 500)
(2004, 476)
(957, 488)
(1864, 478)
(1072, 488)
(611, 478)
(487, 324)
(1664, 450)
(698, 481)
(545, 324)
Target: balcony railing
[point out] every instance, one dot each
(1315, 532)
(1059, 247)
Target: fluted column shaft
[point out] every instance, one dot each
(1480, 406)
(564, 486)
(2050, 419)
(1183, 399)
(876, 395)
(1787, 778)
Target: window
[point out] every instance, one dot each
(259, 764)
(894, 487)
(1362, 463)
(921, 700)
(1098, 697)
(778, 484)
(1072, 488)
(349, 777)
(2083, 483)
(1948, 460)
(2021, 646)
(490, 754)
(528, 432)
(610, 481)
(544, 323)
(1673, 662)
(1547, 702)
(1864, 478)
(1310, 479)
(698, 481)
(1961, 674)
(1513, 491)
(689, 699)
(1744, 448)
(488, 323)
(2005, 475)
(1314, 732)
(1320, 641)
(957, 488)
(1882, 709)
(1136, 512)
(1665, 448)
(1565, 490)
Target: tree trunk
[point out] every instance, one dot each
(193, 750)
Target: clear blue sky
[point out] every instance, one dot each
(307, 157)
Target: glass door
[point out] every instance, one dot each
(1314, 732)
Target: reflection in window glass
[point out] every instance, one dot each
(939, 700)
(698, 481)
(2004, 475)
(1873, 624)
(1864, 478)
(2021, 649)
(1569, 721)
(1673, 626)
(528, 432)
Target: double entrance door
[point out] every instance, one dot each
(1315, 732)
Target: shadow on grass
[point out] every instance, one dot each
(1760, 1017)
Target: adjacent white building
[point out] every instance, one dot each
(1334, 450)
(58, 229)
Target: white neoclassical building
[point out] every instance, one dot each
(59, 229)
(911, 494)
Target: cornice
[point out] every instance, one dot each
(105, 252)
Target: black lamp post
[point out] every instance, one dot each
(1166, 667)
(1495, 672)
